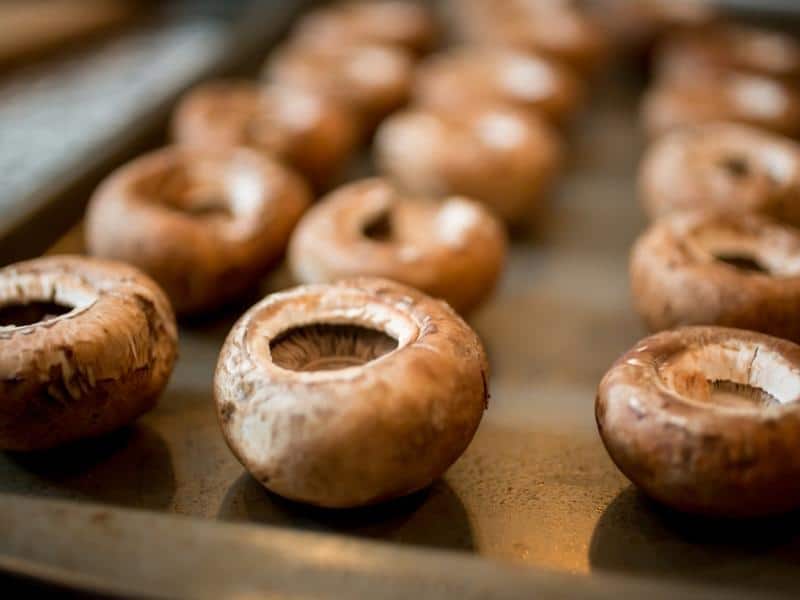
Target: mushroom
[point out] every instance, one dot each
(347, 394)
(736, 270)
(372, 80)
(312, 133)
(558, 29)
(86, 347)
(525, 80)
(725, 167)
(505, 157)
(454, 249)
(707, 420)
(706, 95)
(749, 49)
(204, 224)
(408, 25)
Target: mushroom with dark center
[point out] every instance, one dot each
(706, 420)
(737, 166)
(329, 346)
(206, 224)
(452, 248)
(86, 347)
(736, 270)
(351, 393)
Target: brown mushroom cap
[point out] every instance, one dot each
(525, 80)
(736, 270)
(370, 79)
(557, 29)
(453, 249)
(724, 167)
(721, 95)
(502, 156)
(86, 346)
(204, 224)
(311, 132)
(409, 25)
(707, 420)
(352, 393)
(750, 49)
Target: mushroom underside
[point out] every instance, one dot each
(17, 314)
(380, 227)
(329, 346)
(745, 376)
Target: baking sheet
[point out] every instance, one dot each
(536, 486)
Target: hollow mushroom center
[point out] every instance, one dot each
(329, 347)
(191, 191)
(732, 375)
(380, 228)
(741, 261)
(18, 314)
(736, 166)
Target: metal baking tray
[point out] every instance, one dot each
(534, 507)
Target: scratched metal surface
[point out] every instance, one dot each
(535, 487)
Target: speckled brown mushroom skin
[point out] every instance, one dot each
(664, 430)
(710, 94)
(206, 259)
(452, 249)
(371, 80)
(523, 79)
(312, 133)
(505, 157)
(725, 167)
(676, 279)
(409, 25)
(556, 29)
(91, 370)
(359, 435)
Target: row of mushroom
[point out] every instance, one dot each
(704, 415)
(363, 383)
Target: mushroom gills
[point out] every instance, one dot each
(737, 166)
(730, 393)
(20, 314)
(329, 347)
(741, 262)
(379, 228)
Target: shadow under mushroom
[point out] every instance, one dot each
(434, 517)
(130, 467)
(637, 536)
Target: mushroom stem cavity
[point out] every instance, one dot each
(742, 262)
(731, 376)
(329, 347)
(17, 314)
(738, 166)
(379, 228)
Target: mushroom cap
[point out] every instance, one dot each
(502, 156)
(724, 167)
(94, 368)
(369, 431)
(406, 24)
(453, 249)
(309, 131)
(711, 94)
(526, 80)
(370, 79)
(707, 420)
(683, 272)
(751, 49)
(556, 29)
(205, 224)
